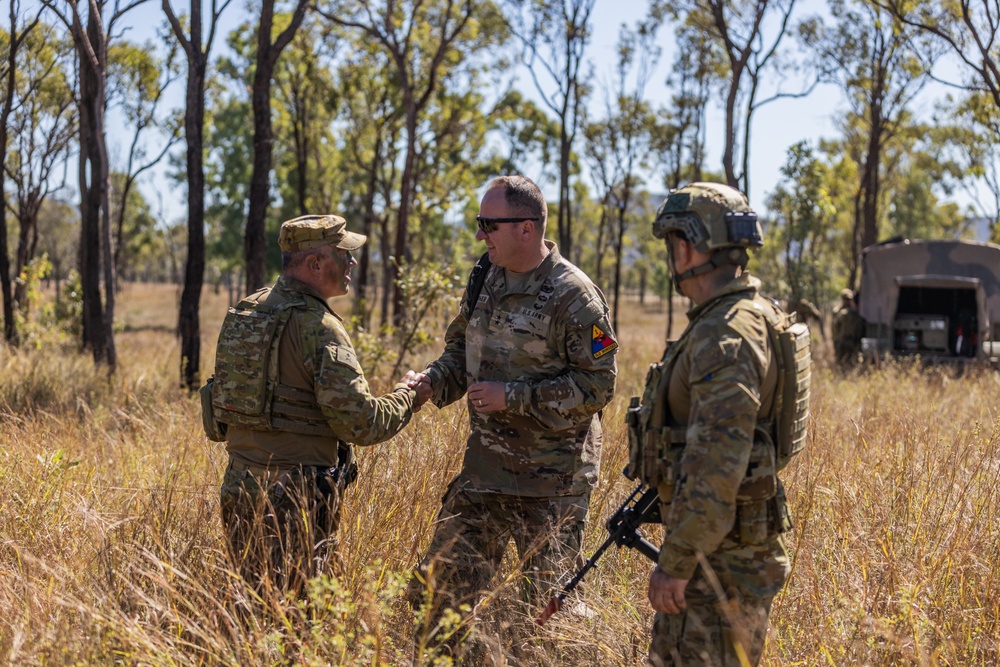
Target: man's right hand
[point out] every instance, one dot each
(666, 593)
(420, 383)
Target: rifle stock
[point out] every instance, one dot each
(623, 530)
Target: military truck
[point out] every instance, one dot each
(936, 299)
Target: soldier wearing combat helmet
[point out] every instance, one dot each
(290, 399)
(720, 414)
(848, 330)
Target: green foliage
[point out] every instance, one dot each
(47, 322)
(431, 294)
(806, 231)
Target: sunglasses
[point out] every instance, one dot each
(489, 225)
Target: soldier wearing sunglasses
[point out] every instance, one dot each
(534, 357)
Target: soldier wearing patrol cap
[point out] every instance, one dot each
(703, 436)
(534, 357)
(290, 399)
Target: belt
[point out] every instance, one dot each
(269, 471)
(342, 475)
(263, 474)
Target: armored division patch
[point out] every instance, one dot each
(601, 343)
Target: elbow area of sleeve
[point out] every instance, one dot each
(677, 562)
(383, 417)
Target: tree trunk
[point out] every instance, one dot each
(564, 224)
(301, 129)
(189, 323)
(729, 153)
(402, 250)
(263, 139)
(92, 177)
(870, 187)
(9, 326)
(260, 193)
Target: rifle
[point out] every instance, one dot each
(639, 508)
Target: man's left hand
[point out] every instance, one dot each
(488, 396)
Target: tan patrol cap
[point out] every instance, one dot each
(313, 231)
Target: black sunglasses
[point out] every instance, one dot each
(489, 225)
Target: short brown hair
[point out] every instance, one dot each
(523, 197)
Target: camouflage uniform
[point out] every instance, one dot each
(848, 330)
(281, 493)
(528, 470)
(714, 466)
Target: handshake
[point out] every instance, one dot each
(483, 396)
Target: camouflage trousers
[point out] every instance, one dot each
(725, 622)
(470, 540)
(281, 527)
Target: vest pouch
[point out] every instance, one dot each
(646, 448)
(214, 430)
(634, 469)
(781, 517)
(761, 480)
(752, 523)
(665, 489)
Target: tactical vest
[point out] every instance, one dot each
(790, 413)
(655, 448)
(245, 390)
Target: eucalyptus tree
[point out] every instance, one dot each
(371, 126)
(805, 231)
(679, 140)
(878, 63)
(196, 46)
(268, 50)
(749, 34)
(620, 144)
(42, 127)
(138, 231)
(228, 165)
(305, 103)
(235, 155)
(554, 36)
(427, 42)
(59, 240)
(13, 42)
(977, 150)
(138, 80)
(531, 137)
(969, 29)
(96, 261)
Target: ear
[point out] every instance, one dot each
(528, 230)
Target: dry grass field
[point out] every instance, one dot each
(111, 549)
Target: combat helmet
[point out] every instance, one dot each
(715, 218)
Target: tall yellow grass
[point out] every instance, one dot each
(111, 549)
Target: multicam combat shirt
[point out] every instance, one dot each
(551, 342)
(315, 355)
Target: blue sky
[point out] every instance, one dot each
(775, 127)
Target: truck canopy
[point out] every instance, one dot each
(909, 276)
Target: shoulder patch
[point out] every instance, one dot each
(601, 342)
(586, 310)
(346, 356)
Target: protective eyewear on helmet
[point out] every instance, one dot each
(489, 225)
